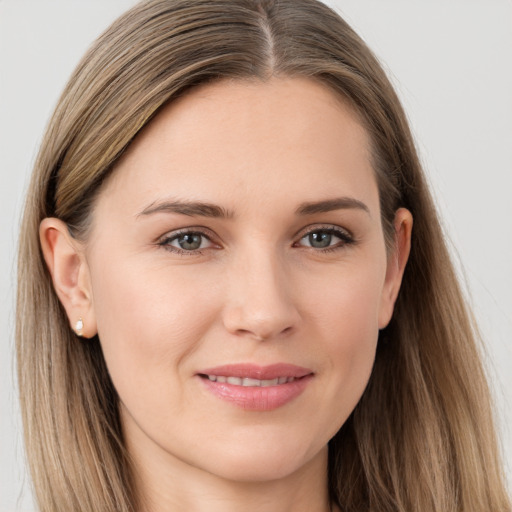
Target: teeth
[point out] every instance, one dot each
(251, 382)
(248, 382)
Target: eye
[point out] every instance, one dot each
(183, 242)
(327, 238)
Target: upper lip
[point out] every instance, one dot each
(253, 371)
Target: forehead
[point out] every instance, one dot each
(233, 110)
(252, 140)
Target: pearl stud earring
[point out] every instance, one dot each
(79, 326)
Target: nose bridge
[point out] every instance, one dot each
(260, 303)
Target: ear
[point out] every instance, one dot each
(397, 261)
(68, 267)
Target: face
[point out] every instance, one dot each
(238, 278)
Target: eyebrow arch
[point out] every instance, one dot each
(339, 203)
(190, 208)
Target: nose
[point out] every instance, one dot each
(260, 303)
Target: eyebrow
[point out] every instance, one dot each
(190, 208)
(339, 203)
(201, 209)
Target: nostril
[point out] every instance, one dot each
(262, 336)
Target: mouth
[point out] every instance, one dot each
(256, 388)
(249, 382)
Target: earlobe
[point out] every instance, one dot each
(397, 262)
(70, 275)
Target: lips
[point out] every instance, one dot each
(256, 388)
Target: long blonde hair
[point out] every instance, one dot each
(421, 438)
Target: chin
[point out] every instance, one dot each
(264, 464)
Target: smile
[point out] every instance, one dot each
(256, 388)
(248, 382)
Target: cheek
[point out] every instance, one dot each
(345, 316)
(344, 301)
(149, 320)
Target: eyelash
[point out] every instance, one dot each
(165, 242)
(345, 237)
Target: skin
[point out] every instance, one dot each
(258, 291)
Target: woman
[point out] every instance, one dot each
(238, 310)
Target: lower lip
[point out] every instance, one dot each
(254, 398)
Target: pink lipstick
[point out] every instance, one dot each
(256, 388)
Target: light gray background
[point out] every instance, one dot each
(451, 61)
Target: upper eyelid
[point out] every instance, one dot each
(183, 231)
(323, 227)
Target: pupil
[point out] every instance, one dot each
(320, 239)
(190, 242)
